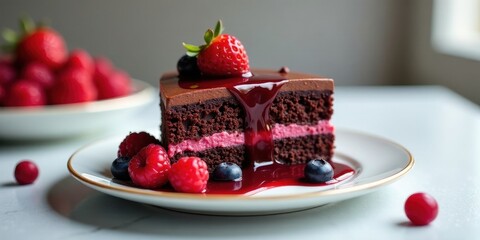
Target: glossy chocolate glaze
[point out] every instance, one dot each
(172, 94)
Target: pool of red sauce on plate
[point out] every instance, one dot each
(256, 94)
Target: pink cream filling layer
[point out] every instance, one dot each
(224, 139)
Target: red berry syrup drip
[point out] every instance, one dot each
(256, 99)
(256, 94)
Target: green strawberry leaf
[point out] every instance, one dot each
(10, 36)
(218, 29)
(191, 47)
(208, 36)
(192, 50)
(26, 25)
(191, 54)
(11, 40)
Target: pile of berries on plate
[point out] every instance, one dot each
(142, 160)
(37, 69)
(145, 162)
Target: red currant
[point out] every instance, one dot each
(421, 208)
(26, 172)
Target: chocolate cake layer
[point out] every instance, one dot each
(302, 107)
(287, 151)
(193, 121)
(303, 149)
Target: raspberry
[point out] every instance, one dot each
(7, 73)
(189, 174)
(134, 142)
(24, 93)
(421, 208)
(74, 85)
(6, 59)
(26, 172)
(149, 168)
(38, 73)
(80, 59)
(102, 68)
(3, 95)
(116, 84)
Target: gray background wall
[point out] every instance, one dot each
(357, 42)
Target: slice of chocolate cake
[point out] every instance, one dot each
(270, 117)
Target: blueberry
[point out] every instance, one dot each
(119, 168)
(187, 66)
(227, 171)
(318, 171)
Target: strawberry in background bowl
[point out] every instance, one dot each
(47, 91)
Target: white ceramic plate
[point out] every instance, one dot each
(58, 121)
(377, 162)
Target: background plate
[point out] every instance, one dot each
(59, 121)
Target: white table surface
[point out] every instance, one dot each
(440, 128)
